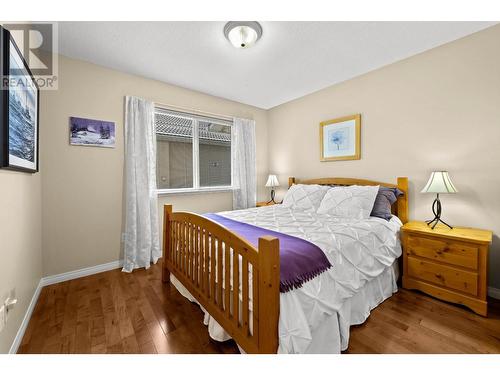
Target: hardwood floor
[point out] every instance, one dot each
(412, 322)
(115, 312)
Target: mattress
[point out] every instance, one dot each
(316, 317)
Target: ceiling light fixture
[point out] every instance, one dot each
(243, 34)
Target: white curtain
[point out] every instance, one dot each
(142, 243)
(243, 163)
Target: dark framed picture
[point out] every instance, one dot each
(19, 109)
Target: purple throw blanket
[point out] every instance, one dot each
(300, 260)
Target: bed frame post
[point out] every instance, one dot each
(269, 294)
(167, 213)
(403, 203)
(291, 181)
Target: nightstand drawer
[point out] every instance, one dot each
(447, 251)
(450, 264)
(439, 274)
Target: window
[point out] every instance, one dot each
(193, 152)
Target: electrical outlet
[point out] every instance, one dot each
(3, 317)
(10, 303)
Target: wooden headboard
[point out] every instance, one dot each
(400, 209)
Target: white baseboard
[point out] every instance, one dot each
(54, 279)
(24, 324)
(494, 292)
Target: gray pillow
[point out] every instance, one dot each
(386, 197)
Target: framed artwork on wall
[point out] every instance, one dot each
(19, 109)
(340, 139)
(89, 132)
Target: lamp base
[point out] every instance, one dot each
(272, 197)
(436, 210)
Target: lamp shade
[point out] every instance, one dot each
(272, 181)
(439, 182)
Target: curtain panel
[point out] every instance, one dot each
(142, 243)
(243, 158)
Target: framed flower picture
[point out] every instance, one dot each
(340, 139)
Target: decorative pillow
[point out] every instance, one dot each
(304, 197)
(354, 202)
(386, 197)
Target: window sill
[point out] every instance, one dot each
(215, 189)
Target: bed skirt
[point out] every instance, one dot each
(332, 333)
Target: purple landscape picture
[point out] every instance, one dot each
(88, 132)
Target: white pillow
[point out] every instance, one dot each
(304, 197)
(354, 202)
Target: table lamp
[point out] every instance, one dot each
(439, 182)
(272, 182)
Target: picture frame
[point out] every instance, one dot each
(340, 138)
(19, 109)
(91, 132)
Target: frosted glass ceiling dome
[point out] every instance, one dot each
(243, 34)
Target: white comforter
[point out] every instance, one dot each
(359, 250)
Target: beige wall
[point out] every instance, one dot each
(82, 186)
(20, 245)
(437, 110)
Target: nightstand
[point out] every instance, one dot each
(262, 204)
(450, 264)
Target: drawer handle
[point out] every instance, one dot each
(439, 276)
(445, 249)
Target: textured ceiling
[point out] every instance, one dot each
(291, 60)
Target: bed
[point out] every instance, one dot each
(237, 284)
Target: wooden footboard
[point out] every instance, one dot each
(235, 282)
